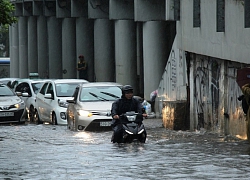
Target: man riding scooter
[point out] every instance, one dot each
(125, 104)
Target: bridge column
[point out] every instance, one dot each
(125, 53)
(104, 50)
(154, 53)
(23, 47)
(32, 45)
(85, 43)
(68, 48)
(42, 46)
(55, 47)
(14, 55)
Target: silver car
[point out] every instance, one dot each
(12, 107)
(90, 107)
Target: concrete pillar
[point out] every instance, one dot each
(139, 56)
(85, 43)
(68, 48)
(104, 50)
(55, 47)
(14, 53)
(42, 45)
(154, 54)
(23, 47)
(32, 45)
(125, 53)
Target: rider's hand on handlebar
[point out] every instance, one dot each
(144, 115)
(116, 117)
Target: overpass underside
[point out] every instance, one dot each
(126, 41)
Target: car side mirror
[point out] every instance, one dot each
(25, 94)
(18, 93)
(48, 96)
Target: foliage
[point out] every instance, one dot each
(6, 13)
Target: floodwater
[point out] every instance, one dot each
(44, 152)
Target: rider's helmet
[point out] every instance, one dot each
(127, 89)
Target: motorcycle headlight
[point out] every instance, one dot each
(131, 118)
(19, 105)
(84, 113)
(63, 103)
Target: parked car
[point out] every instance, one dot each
(30, 88)
(90, 107)
(12, 107)
(51, 99)
(8, 81)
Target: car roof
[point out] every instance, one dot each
(30, 80)
(8, 79)
(101, 84)
(70, 81)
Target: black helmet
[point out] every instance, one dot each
(127, 88)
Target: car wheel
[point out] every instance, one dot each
(32, 114)
(54, 119)
(36, 118)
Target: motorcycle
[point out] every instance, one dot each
(133, 128)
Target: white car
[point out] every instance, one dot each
(29, 88)
(90, 107)
(51, 99)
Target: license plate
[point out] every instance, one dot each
(107, 123)
(5, 114)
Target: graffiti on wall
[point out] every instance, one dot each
(173, 70)
(206, 91)
(216, 96)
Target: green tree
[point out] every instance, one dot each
(4, 41)
(6, 12)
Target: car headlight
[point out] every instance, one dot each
(84, 113)
(19, 105)
(63, 103)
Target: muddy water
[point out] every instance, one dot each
(46, 152)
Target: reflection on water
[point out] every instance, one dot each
(53, 152)
(129, 148)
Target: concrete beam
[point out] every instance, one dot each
(121, 9)
(49, 8)
(63, 8)
(79, 8)
(98, 9)
(149, 10)
(27, 8)
(38, 8)
(18, 9)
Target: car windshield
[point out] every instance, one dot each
(36, 86)
(100, 93)
(5, 91)
(65, 89)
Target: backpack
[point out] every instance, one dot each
(244, 103)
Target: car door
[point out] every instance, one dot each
(24, 87)
(40, 105)
(49, 101)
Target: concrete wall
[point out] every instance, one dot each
(198, 91)
(233, 44)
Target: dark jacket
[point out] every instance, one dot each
(246, 91)
(123, 105)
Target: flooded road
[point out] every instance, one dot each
(44, 152)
